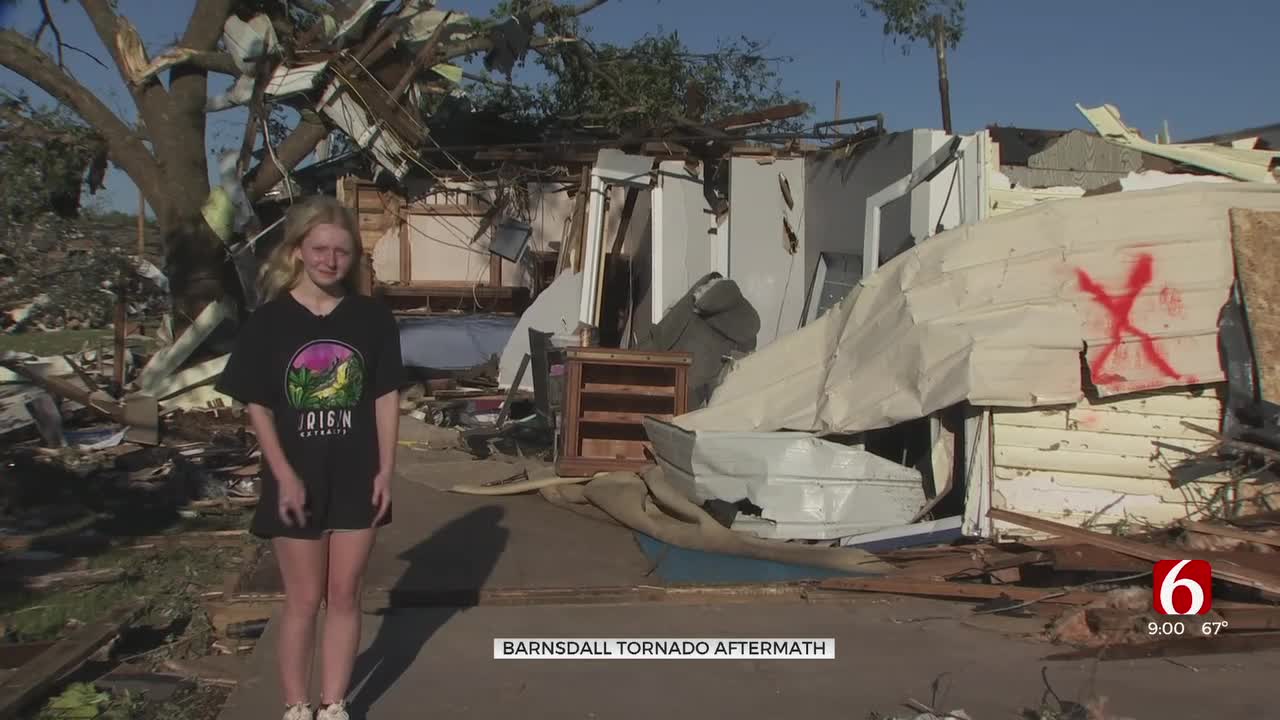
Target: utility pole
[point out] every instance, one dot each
(944, 88)
(142, 226)
(837, 107)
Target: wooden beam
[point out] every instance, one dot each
(1227, 570)
(1229, 532)
(959, 590)
(31, 680)
(773, 114)
(495, 271)
(406, 251)
(624, 220)
(1090, 558)
(1176, 646)
(445, 210)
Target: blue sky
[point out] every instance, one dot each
(1178, 61)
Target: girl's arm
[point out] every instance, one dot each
(264, 426)
(387, 413)
(292, 507)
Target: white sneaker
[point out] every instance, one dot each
(301, 711)
(333, 711)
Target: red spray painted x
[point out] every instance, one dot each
(1119, 309)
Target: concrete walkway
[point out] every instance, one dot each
(442, 541)
(438, 663)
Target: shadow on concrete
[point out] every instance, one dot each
(457, 559)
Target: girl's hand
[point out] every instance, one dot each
(381, 495)
(292, 501)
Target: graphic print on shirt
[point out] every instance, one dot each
(325, 382)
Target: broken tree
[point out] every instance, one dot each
(266, 47)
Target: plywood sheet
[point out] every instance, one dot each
(1255, 237)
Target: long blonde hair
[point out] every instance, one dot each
(282, 270)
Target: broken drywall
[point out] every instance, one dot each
(767, 247)
(554, 311)
(682, 245)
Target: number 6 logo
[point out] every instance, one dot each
(1193, 578)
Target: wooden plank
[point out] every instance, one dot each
(1261, 617)
(68, 579)
(1029, 417)
(1267, 582)
(958, 590)
(406, 252)
(375, 222)
(1099, 420)
(571, 248)
(771, 114)
(495, 271)
(1081, 462)
(1103, 420)
(1229, 532)
(1076, 506)
(975, 564)
(446, 210)
(1095, 442)
(1255, 237)
(624, 219)
(33, 679)
(1198, 491)
(613, 356)
(1177, 646)
(629, 418)
(1091, 558)
(1207, 406)
(600, 448)
(630, 390)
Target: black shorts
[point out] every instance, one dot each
(332, 504)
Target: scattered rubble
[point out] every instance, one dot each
(69, 274)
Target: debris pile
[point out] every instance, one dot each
(122, 526)
(1095, 591)
(68, 274)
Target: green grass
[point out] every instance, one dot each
(83, 701)
(170, 578)
(58, 342)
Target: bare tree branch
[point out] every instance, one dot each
(304, 138)
(151, 98)
(206, 23)
(296, 147)
(48, 22)
(209, 60)
(481, 43)
(22, 56)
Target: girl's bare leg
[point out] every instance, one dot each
(302, 567)
(348, 557)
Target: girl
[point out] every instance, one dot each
(318, 367)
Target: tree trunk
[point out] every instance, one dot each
(199, 269)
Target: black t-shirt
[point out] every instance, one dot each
(320, 376)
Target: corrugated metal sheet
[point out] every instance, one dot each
(996, 314)
(1097, 463)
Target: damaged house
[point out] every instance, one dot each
(932, 338)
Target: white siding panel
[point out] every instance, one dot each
(1097, 464)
